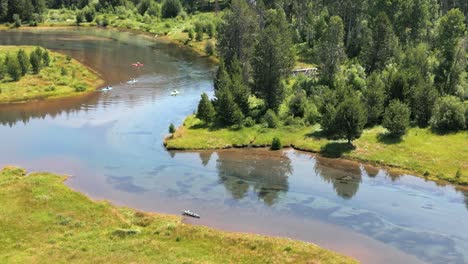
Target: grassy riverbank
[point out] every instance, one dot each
(43, 221)
(435, 156)
(63, 77)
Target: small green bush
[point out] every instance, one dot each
(271, 119)
(449, 114)
(171, 8)
(249, 122)
(396, 118)
(80, 88)
(209, 48)
(276, 144)
(172, 129)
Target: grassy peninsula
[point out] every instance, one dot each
(54, 77)
(43, 221)
(437, 157)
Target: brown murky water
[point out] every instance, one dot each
(111, 144)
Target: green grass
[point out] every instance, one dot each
(43, 221)
(49, 83)
(437, 157)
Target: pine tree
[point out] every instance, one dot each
(35, 60)
(331, 48)
(396, 118)
(23, 61)
(13, 68)
(350, 119)
(205, 111)
(374, 98)
(46, 58)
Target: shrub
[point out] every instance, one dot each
(210, 30)
(449, 114)
(80, 88)
(271, 119)
(276, 144)
(89, 13)
(199, 34)
(298, 104)
(172, 129)
(249, 122)
(209, 48)
(17, 20)
(171, 8)
(190, 34)
(63, 71)
(396, 118)
(79, 17)
(294, 121)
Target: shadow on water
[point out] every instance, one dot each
(336, 149)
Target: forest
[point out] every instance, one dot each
(397, 63)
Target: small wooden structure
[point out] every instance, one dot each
(305, 71)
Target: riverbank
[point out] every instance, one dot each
(62, 225)
(434, 157)
(64, 77)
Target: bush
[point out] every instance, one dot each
(449, 114)
(396, 118)
(190, 34)
(45, 58)
(63, 71)
(171, 8)
(210, 30)
(89, 13)
(17, 20)
(294, 121)
(172, 129)
(35, 62)
(276, 144)
(199, 34)
(298, 104)
(79, 17)
(80, 88)
(271, 119)
(209, 48)
(249, 122)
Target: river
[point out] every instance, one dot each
(111, 145)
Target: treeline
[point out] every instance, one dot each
(394, 63)
(32, 11)
(17, 65)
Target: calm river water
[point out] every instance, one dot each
(111, 144)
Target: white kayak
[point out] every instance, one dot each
(132, 81)
(107, 88)
(190, 213)
(175, 92)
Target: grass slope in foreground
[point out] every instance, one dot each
(43, 221)
(435, 156)
(63, 77)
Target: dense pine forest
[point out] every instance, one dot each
(392, 63)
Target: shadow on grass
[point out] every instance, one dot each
(388, 139)
(316, 135)
(336, 149)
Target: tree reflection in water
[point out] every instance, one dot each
(346, 185)
(205, 157)
(266, 172)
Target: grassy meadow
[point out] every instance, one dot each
(64, 77)
(43, 221)
(436, 157)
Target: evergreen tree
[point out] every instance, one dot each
(350, 119)
(374, 98)
(450, 31)
(396, 118)
(227, 111)
(273, 59)
(46, 58)
(13, 67)
(378, 52)
(331, 48)
(205, 111)
(23, 61)
(239, 88)
(35, 60)
(237, 33)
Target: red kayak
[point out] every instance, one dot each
(138, 64)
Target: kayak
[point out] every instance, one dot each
(132, 81)
(190, 213)
(174, 93)
(138, 64)
(107, 88)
